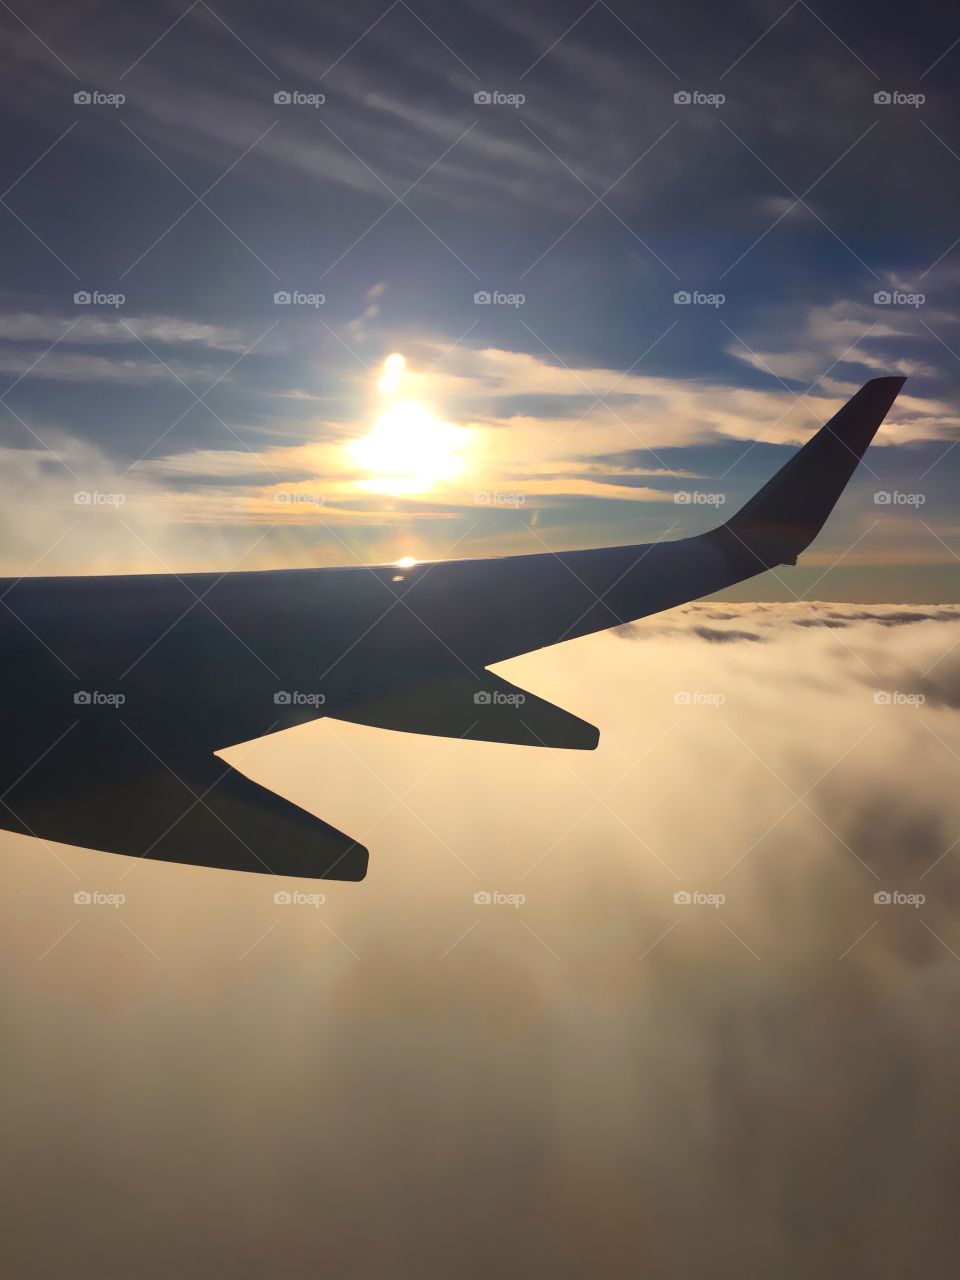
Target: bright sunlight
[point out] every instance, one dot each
(409, 451)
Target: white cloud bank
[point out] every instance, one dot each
(421, 1085)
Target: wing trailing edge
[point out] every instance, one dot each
(480, 708)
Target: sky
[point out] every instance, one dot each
(613, 162)
(683, 1005)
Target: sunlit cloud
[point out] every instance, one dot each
(783, 798)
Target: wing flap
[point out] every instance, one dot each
(485, 708)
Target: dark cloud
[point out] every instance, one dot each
(897, 618)
(714, 635)
(830, 623)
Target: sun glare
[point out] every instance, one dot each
(393, 368)
(409, 450)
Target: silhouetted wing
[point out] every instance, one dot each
(485, 708)
(195, 810)
(790, 510)
(488, 610)
(116, 691)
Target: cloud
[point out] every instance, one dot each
(596, 1049)
(75, 366)
(611, 409)
(767, 619)
(93, 330)
(61, 360)
(838, 344)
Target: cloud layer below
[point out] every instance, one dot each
(418, 1084)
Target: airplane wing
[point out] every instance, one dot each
(116, 691)
(125, 797)
(483, 708)
(489, 610)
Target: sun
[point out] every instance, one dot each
(409, 450)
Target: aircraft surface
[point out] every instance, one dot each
(116, 691)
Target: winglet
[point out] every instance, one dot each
(784, 517)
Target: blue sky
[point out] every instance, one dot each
(225, 421)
